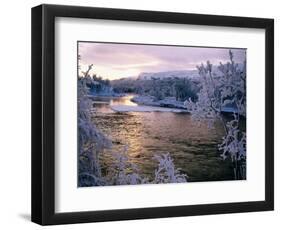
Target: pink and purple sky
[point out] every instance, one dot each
(114, 61)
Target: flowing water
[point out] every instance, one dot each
(193, 146)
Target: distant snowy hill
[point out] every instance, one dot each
(192, 74)
(176, 73)
(168, 74)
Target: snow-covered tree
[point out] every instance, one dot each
(219, 92)
(90, 140)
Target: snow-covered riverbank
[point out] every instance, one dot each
(144, 108)
(106, 96)
(133, 103)
(127, 104)
(169, 102)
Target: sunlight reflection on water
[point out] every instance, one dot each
(192, 146)
(123, 101)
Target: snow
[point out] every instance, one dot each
(168, 102)
(144, 108)
(229, 110)
(100, 102)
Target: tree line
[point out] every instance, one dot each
(179, 88)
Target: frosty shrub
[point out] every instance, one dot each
(123, 172)
(227, 90)
(166, 171)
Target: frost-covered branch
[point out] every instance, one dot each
(91, 140)
(166, 171)
(218, 92)
(123, 172)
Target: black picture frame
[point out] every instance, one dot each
(43, 114)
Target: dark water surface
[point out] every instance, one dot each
(193, 147)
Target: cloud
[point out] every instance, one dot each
(115, 60)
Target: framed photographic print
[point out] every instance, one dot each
(142, 114)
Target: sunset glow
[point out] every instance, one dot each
(114, 61)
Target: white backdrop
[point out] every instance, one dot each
(15, 114)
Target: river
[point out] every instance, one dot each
(193, 146)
